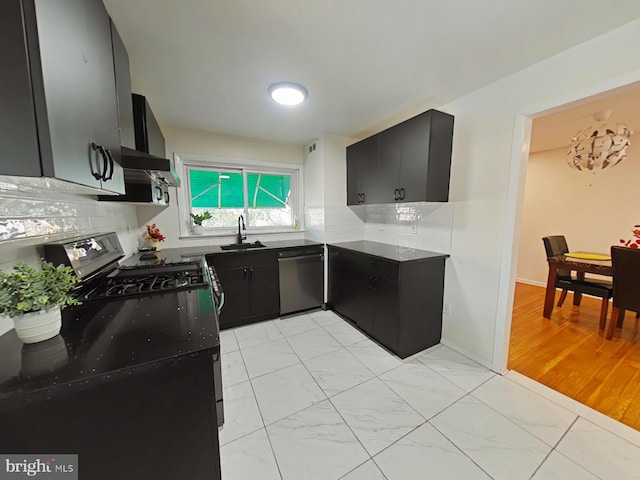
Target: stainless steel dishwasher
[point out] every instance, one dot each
(301, 278)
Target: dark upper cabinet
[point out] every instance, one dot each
(354, 153)
(390, 142)
(18, 132)
(413, 162)
(362, 177)
(61, 93)
(425, 157)
(123, 90)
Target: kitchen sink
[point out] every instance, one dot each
(242, 246)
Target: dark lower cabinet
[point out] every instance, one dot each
(386, 312)
(154, 422)
(398, 304)
(250, 282)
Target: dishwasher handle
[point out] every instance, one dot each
(301, 252)
(302, 258)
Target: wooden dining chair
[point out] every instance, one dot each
(557, 245)
(626, 285)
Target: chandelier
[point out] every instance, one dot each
(599, 147)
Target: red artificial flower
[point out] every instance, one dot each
(153, 233)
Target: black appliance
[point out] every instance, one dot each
(95, 261)
(148, 156)
(147, 173)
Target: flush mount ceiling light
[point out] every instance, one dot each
(599, 146)
(287, 93)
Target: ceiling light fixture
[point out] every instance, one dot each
(287, 93)
(600, 146)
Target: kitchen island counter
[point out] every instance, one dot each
(126, 384)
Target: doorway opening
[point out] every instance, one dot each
(568, 352)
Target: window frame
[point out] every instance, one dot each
(185, 162)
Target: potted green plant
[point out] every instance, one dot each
(34, 299)
(198, 218)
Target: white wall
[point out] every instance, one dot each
(198, 142)
(45, 214)
(486, 123)
(342, 224)
(327, 217)
(490, 138)
(593, 211)
(314, 185)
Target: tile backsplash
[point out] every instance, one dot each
(425, 226)
(31, 215)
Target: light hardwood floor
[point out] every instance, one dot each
(569, 354)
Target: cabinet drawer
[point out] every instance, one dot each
(243, 259)
(386, 269)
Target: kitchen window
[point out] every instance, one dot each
(267, 196)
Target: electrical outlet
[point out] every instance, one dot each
(414, 228)
(447, 309)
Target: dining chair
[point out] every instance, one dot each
(626, 285)
(557, 245)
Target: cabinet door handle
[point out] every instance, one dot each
(159, 193)
(105, 163)
(396, 194)
(363, 198)
(244, 270)
(402, 193)
(96, 148)
(374, 284)
(250, 273)
(111, 165)
(166, 196)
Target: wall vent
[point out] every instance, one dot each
(312, 147)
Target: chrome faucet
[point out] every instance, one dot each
(240, 238)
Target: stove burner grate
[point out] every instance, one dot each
(140, 281)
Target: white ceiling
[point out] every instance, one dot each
(555, 130)
(206, 64)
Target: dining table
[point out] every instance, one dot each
(581, 266)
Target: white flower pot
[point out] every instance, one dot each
(38, 326)
(198, 230)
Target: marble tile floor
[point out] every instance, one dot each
(311, 398)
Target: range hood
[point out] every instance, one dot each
(141, 166)
(147, 159)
